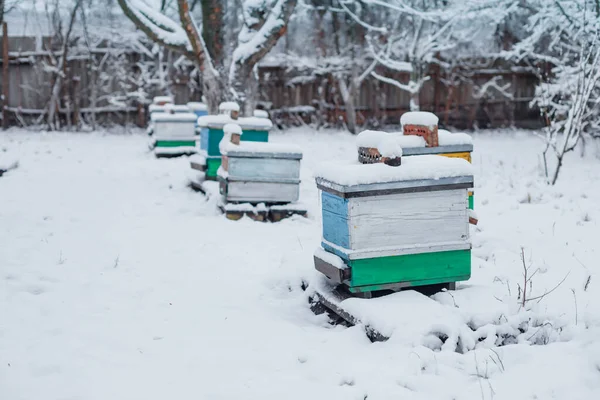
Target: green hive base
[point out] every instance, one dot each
(175, 143)
(396, 272)
(212, 166)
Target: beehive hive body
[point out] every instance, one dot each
(260, 172)
(174, 132)
(211, 134)
(398, 233)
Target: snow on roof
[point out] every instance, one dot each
(248, 123)
(229, 106)
(370, 138)
(446, 138)
(197, 106)
(260, 150)
(232, 129)
(255, 123)
(261, 114)
(419, 118)
(156, 108)
(351, 172)
(265, 147)
(162, 99)
(225, 145)
(389, 147)
(214, 121)
(374, 138)
(177, 117)
(410, 141)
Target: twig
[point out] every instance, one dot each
(575, 298)
(550, 291)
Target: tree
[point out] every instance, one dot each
(563, 42)
(231, 78)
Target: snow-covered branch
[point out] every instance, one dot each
(157, 27)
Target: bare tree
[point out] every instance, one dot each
(264, 23)
(563, 41)
(58, 66)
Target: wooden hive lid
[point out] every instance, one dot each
(425, 173)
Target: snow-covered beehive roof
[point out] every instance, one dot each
(261, 114)
(247, 123)
(215, 121)
(423, 118)
(389, 147)
(229, 106)
(374, 138)
(162, 99)
(262, 150)
(415, 172)
(447, 138)
(197, 106)
(177, 117)
(370, 138)
(168, 108)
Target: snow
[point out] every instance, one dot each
(225, 145)
(162, 99)
(261, 114)
(255, 123)
(389, 147)
(214, 121)
(196, 106)
(231, 129)
(410, 140)
(218, 121)
(370, 138)
(229, 106)
(178, 117)
(222, 173)
(198, 159)
(330, 258)
(175, 150)
(374, 138)
(261, 147)
(446, 138)
(246, 207)
(351, 172)
(419, 118)
(119, 282)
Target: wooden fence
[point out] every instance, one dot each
(292, 99)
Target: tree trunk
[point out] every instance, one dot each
(5, 64)
(213, 30)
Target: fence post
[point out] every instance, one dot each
(5, 62)
(76, 102)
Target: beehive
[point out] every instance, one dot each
(174, 133)
(392, 227)
(211, 133)
(255, 172)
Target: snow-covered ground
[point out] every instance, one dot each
(119, 282)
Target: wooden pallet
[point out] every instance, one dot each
(330, 303)
(328, 298)
(268, 213)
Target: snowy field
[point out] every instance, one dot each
(119, 282)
